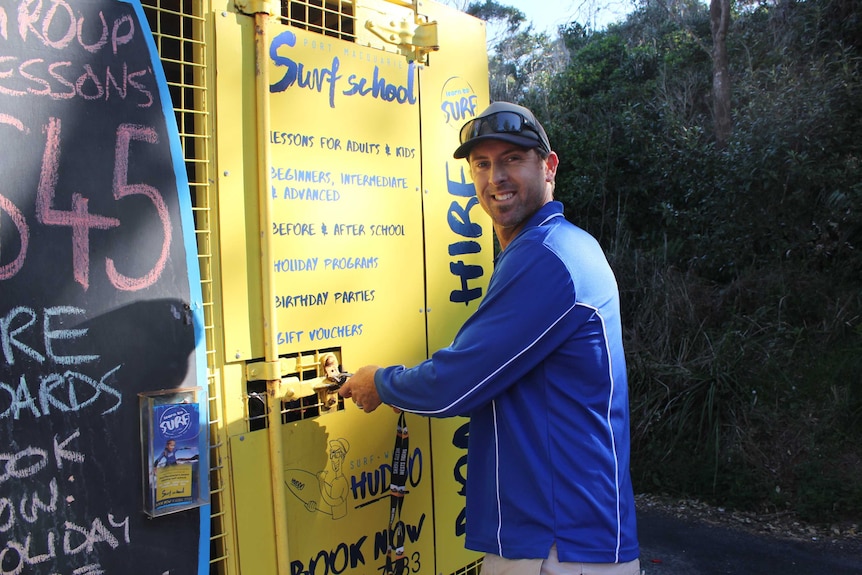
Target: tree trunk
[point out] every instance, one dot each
(719, 16)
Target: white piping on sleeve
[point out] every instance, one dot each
(497, 480)
(551, 217)
(611, 433)
(499, 369)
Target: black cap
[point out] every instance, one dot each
(494, 124)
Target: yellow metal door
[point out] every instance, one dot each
(358, 212)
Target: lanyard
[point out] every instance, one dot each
(396, 561)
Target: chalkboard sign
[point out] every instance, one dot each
(99, 290)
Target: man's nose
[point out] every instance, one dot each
(499, 173)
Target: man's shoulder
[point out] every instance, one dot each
(561, 234)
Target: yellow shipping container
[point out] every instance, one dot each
(331, 219)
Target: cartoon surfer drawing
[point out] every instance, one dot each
(333, 485)
(327, 491)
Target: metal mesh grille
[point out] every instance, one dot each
(306, 404)
(179, 32)
(336, 18)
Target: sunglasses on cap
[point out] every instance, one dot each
(501, 123)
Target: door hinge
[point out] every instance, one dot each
(415, 40)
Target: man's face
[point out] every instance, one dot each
(512, 183)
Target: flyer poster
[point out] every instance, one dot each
(176, 454)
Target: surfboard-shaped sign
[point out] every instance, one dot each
(99, 292)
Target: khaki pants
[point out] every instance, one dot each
(496, 565)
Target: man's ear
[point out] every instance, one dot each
(551, 164)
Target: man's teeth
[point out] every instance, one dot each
(503, 197)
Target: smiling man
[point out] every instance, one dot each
(540, 370)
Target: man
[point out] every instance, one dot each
(540, 370)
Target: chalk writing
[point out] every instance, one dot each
(12, 336)
(13, 468)
(22, 511)
(90, 216)
(79, 219)
(76, 539)
(60, 28)
(62, 392)
(18, 220)
(13, 267)
(126, 133)
(65, 392)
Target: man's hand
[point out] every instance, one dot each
(361, 388)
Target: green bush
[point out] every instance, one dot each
(740, 268)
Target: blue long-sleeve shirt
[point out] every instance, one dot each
(540, 370)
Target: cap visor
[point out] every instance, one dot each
(523, 141)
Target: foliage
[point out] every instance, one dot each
(740, 266)
(520, 61)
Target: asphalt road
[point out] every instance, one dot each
(672, 546)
